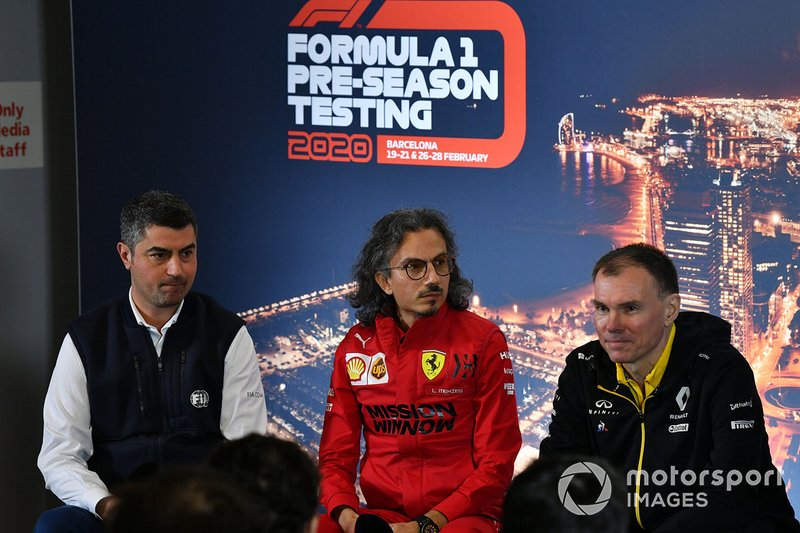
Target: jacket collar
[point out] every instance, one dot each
(391, 336)
(694, 332)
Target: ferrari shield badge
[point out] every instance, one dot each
(432, 363)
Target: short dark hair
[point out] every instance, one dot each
(656, 262)
(185, 499)
(278, 473)
(385, 239)
(153, 208)
(534, 501)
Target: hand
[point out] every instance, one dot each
(347, 520)
(412, 527)
(405, 527)
(106, 507)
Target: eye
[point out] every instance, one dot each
(415, 267)
(600, 308)
(187, 254)
(157, 256)
(443, 264)
(632, 308)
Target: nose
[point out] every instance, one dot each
(430, 274)
(174, 267)
(613, 321)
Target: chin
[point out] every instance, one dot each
(429, 312)
(617, 357)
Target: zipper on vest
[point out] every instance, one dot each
(165, 406)
(138, 383)
(180, 390)
(640, 462)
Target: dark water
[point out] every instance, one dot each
(517, 227)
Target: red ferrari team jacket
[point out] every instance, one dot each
(438, 411)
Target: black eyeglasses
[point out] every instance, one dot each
(416, 269)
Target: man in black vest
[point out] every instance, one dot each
(160, 376)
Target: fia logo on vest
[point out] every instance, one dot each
(199, 399)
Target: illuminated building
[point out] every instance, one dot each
(690, 239)
(731, 195)
(566, 130)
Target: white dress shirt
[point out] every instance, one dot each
(67, 439)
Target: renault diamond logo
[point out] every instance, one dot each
(682, 398)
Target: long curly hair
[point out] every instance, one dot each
(384, 240)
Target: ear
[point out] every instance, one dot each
(672, 306)
(383, 282)
(125, 254)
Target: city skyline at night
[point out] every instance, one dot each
(674, 124)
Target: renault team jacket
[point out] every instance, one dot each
(682, 453)
(438, 411)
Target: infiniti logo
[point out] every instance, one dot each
(603, 404)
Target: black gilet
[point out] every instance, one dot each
(146, 410)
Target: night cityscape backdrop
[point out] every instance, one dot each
(674, 124)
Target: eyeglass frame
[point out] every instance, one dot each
(452, 261)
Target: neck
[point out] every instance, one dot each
(405, 322)
(157, 316)
(638, 371)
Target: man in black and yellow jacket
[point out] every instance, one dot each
(666, 398)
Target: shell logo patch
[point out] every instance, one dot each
(365, 369)
(355, 368)
(432, 363)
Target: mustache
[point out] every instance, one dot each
(431, 288)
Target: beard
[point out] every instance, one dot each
(429, 312)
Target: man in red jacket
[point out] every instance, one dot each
(429, 384)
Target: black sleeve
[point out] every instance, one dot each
(568, 432)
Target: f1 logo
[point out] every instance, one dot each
(345, 12)
(446, 15)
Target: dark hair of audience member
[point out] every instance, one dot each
(185, 499)
(533, 502)
(279, 474)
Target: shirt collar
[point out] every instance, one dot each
(140, 319)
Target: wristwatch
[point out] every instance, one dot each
(426, 525)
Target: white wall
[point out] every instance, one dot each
(38, 251)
